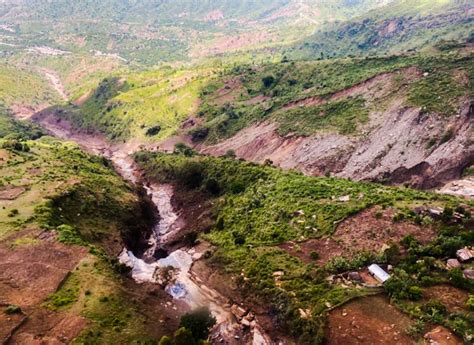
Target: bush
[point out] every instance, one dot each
(152, 131)
(268, 81)
(190, 174)
(184, 336)
(212, 186)
(13, 309)
(199, 133)
(314, 255)
(470, 303)
(199, 322)
(183, 149)
(415, 293)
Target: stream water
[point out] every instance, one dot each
(184, 285)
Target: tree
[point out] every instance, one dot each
(184, 336)
(199, 322)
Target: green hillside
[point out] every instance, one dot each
(157, 30)
(398, 27)
(259, 212)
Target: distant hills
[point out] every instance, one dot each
(156, 30)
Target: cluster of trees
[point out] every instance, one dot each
(194, 329)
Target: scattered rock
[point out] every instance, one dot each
(453, 263)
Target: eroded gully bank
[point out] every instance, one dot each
(150, 266)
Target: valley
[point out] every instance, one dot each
(236, 172)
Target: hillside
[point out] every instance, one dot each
(280, 241)
(196, 172)
(390, 119)
(59, 235)
(157, 30)
(401, 26)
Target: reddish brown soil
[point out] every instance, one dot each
(326, 248)
(442, 336)
(11, 193)
(366, 231)
(369, 320)
(28, 274)
(453, 298)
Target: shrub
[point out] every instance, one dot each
(415, 293)
(230, 154)
(13, 213)
(183, 149)
(212, 186)
(268, 81)
(199, 133)
(152, 131)
(190, 174)
(470, 303)
(13, 309)
(199, 322)
(314, 255)
(184, 336)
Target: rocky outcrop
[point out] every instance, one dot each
(394, 148)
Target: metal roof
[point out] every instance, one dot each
(379, 273)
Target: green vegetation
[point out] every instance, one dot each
(302, 97)
(153, 31)
(21, 86)
(437, 93)
(258, 208)
(401, 26)
(12, 309)
(148, 105)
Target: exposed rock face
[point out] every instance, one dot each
(393, 148)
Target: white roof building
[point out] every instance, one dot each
(379, 273)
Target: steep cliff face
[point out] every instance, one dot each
(400, 142)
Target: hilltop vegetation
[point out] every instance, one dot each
(400, 26)
(259, 212)
(153, 31)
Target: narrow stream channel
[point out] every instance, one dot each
(184, 285)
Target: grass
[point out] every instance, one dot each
(94, 292)
(257, 208)
(437, 93)
(247, 94)
(344, 117)
(128, 106)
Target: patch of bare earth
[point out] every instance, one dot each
(442, 336)
(373, 228)
(368, 320)
(453, 299)
(28, 275)
(369, 230)
(11, 192)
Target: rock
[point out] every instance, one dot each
(468, 273)
(453, 263)
(355, 276)
(238, 311)
(245, 323)
(344, 198)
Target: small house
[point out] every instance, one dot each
(378, 273)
